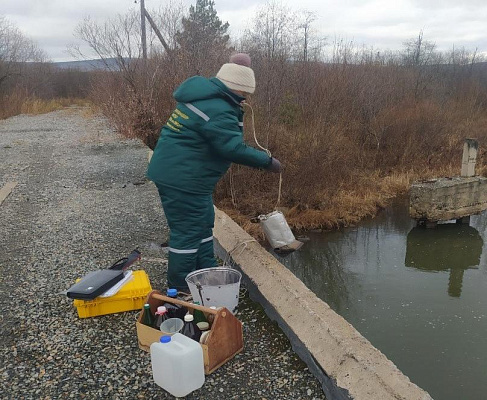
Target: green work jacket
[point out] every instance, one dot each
(201, 138)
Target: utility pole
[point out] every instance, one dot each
(142, 25)
(158, 33)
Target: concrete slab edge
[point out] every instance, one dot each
(5, 190)
(345, 363)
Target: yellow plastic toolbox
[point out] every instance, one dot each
(130, 297)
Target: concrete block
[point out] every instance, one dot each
(346, 363)
(469, 159)
(444, 199)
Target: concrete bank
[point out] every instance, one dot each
(346, 363)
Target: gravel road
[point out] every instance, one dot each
(81, 203)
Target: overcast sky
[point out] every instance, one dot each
(385, 24)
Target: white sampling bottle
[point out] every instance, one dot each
(177, 364)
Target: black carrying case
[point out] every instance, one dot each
(98, 282)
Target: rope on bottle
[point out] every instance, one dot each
(266, 150)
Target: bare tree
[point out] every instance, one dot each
(15, 50)
(169, 21)
(273, 33)
(418, 51)
(117, 39)
(312, 44)
(421, 55)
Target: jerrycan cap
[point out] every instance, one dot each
(165, 339)
(172, 292)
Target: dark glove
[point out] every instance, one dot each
(274, 166)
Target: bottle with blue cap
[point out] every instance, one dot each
(174, 310)
(177, 364)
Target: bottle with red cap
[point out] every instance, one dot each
(160, 316)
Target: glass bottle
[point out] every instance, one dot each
(190, 329)
(198, 315)
(147, 318)
(160, 317)
(174, 310)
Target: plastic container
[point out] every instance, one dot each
(177, 364)
(172, 325)
(217, 287)
(130, 297)
(278, 233)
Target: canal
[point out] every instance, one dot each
(419, 296)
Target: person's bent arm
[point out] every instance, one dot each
(226, 139)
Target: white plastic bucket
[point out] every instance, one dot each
(217, 287)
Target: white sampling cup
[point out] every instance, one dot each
(172, 325)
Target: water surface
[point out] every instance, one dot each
(420, 296)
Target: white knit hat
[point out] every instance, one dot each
(237, 74)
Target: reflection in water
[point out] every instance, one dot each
(323, 271)
(388, 280)
(453, 247)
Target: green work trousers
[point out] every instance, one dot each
(190, 218)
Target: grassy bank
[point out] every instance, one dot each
(345, 208)
(16, 104)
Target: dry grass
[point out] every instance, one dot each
(350, 136)
(19, 102)
(11, 104)
(345, 207)
(37, 106)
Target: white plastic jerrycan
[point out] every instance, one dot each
(177, 364)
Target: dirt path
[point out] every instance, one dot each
(82, 202)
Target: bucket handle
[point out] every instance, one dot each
(198, 286)
(184, 303)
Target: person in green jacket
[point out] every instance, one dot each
(197, 145)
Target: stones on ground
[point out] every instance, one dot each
(52, 234)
